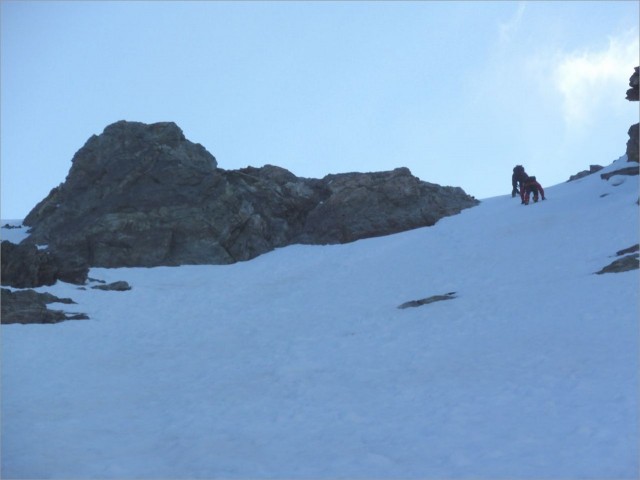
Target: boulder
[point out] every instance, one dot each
(119, 286)
(144, 195)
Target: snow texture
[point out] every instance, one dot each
(298, 364)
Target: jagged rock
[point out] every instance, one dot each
(624, 264)
(426, 301)
(584, 173)
(632, 96)
(143, 195)
(632, 144)
(631, 249)
(24, 266)
(373, 204)
(633, 92)
(29, 306)
(119, 286)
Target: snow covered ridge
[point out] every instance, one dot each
(298, 364)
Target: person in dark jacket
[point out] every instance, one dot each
(531, 186)
(517, 178)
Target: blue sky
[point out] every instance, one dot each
(459, 92)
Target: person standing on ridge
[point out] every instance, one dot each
(517, 180)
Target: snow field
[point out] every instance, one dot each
(298, 364)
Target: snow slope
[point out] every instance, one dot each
(298, 364)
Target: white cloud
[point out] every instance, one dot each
(509, 28)
(589, 79)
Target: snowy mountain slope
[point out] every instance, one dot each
(299, 364)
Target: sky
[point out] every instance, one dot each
(458, 92)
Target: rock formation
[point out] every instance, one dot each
(584, 173)
(119, 286)
(428, 300)
(143, 195)
(29, 306)
(633, 92)
(628, 261)
(632, 96)
(25, 266)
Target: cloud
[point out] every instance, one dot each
(510, 27)
(589, 79)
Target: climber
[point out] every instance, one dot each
(531, 186)
(516, 180)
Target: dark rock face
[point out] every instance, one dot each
(28, 306)
(632, 144)
(363, 205)
(143, 195)
(632, 96)
(24, 266)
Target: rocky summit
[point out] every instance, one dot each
(143, 195)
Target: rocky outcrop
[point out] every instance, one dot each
(362, 205)
(631, 249)
(632, 96)
(119, 286)
(29, 306)
(143, 195)
(584, 173)
(428, 300)
(25, 266)
(628, 261)
(628, 171)
(624, 264)
(632, 143)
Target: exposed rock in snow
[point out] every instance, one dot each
(119, 286)
(624, 264)
(631, 249)
(426, 301)
(628, 171)
(143, 195)
(632, 96)
(632, 143)
(632, 93)
(29, 306)
(584, 173)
